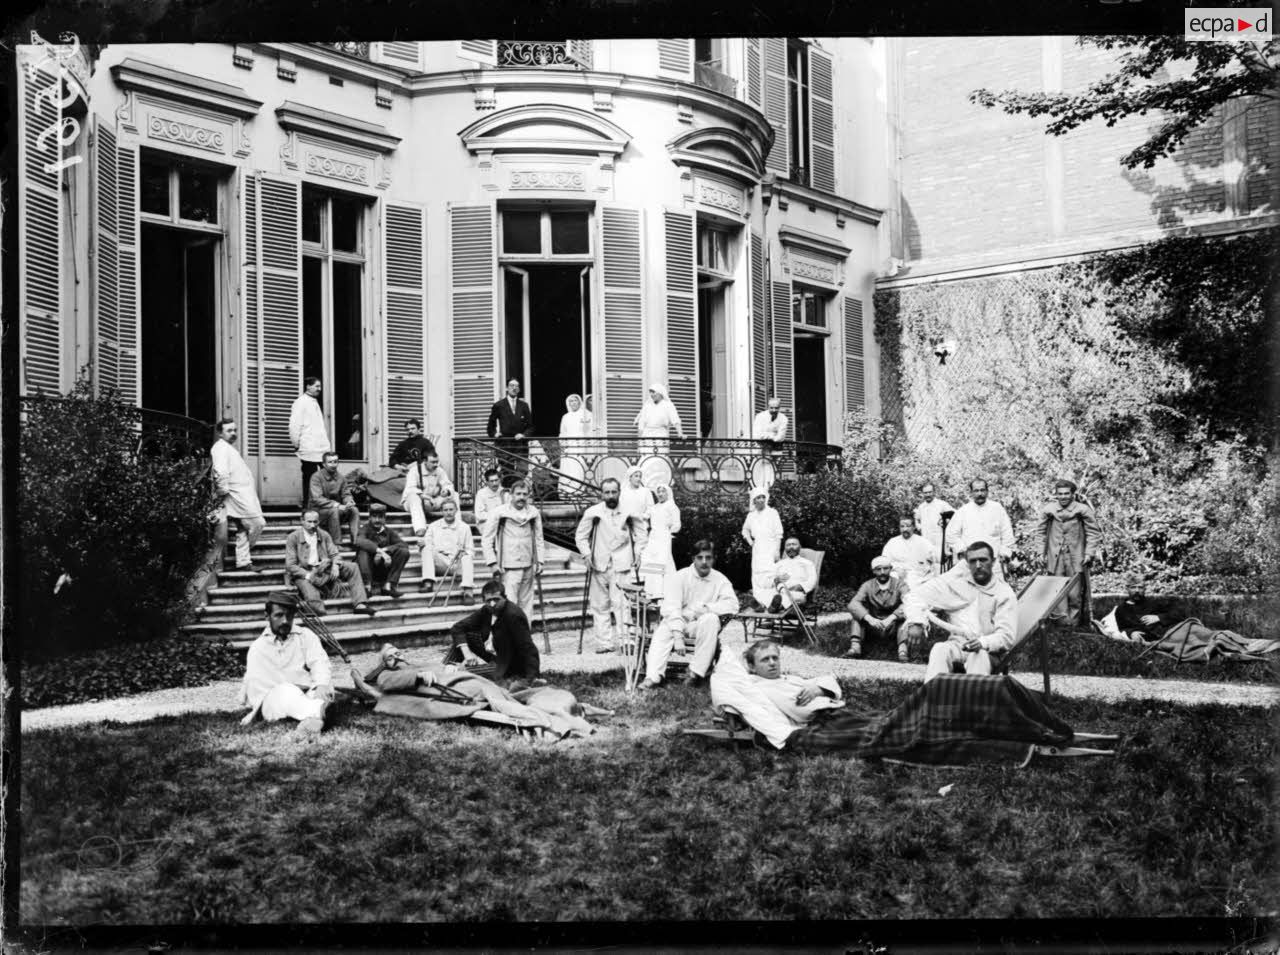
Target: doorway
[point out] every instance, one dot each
(713, 363)
(179, 322)
(547, 337)
(810, 377)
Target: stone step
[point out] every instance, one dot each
(253, 592)
(271, 561)
(409, 624)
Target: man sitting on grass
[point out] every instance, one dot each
(877, 608)
(983, 613)
(286, 672)
(771, 702)
(497, 633)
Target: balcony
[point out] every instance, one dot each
(526, 54)
(708, 76)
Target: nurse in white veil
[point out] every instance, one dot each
(575, 423)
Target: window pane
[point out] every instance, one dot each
(154, 187)
(197, 194)
(313, 323)
(513, 292)
(346, 223)
(312, 213)
(818, 311)
(521, 233)
(569, 234)
(348, 362)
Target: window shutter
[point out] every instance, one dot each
(580, 52)
(622, 285)
(116, 313)
(775, 103)
(675, 58)
(404, 53)
(753, 71)
(40, 252)
(484, 52)
(404, 308)
(759, 328)
(682, 319)
(252, 423)
(855, 399)
(472, 259)
(279, 306)
(782, 368)
(822, 139)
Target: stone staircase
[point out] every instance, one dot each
(235, 610)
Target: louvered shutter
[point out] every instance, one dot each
(404, 245)
(822, 138)
(482, 51)
(753, 71)
(782, 366)
(279, 299)
(404, 53)
(675, 59)
(116, 311)
(775, 104)
(759, 328)
(682, 319)
(252, 424)
(622, 287)
(580, 52)
(40, 251)
(472, 259)
(855, 399)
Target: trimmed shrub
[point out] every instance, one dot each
(112, 526)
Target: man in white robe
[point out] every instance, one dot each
(694, 598)
(447, 544)
(928, 515)
(914, 560)
(426, 487)
(794, 577)
(981, 519)
(287, 673)
(772, 703)
(513, 546)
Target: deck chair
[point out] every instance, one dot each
(1036, 601)
(786, 623)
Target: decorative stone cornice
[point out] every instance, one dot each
(333, 63)
(815, 199)
(295, 117)
(693, 149)
(812, 242)
(584, 131)
(140, 76)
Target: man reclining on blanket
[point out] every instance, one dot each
(773, 704)
(447, 693)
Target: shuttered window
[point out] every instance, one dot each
(754, 79)
(40, 259)
(682, 321)
(404, 309)
(782, 346)
(675, 58)
(822, 137)
(471, 270)
(279, 375)
(622, 286)
(482, 51)
(855, 399)
(759, 328)
(116, 285)
(404, 53)
(774, 50)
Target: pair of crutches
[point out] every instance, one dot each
(591, 556)
(537, 578)
(804, 624)
(451, 572)
(321, 630)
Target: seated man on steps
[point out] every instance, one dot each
(333, 498)
(983, 613)
(286, 673)
(446, 547)
(496, 633)
(426, 488)
(877, 608)
(313, 564)
(381, 554)
(693, 598)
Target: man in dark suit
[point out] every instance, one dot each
(380, 553)
(498, 634)
(510, 421)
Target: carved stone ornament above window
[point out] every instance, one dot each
(188, 134)
(561, 180)
(729, 198)
(545, 128)
(720, 150)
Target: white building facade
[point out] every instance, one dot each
(415, 223)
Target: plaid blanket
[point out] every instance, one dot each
(952, 720)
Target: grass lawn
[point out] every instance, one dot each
(197, 819)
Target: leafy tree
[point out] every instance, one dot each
(1218, 72)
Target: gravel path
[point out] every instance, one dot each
(222, 696)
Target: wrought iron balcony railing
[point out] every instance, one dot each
(568, 54)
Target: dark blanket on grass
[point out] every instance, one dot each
(953, 720)
(1192, 642)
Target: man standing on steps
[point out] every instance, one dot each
(381, 554)
(312, 563)
(447, 544)
(982, 520)
(284, 659)
(490, 497)
(609, 539)
(511, 420)
(513, 546)
(307, 433)
(233, 483)
(332, 497)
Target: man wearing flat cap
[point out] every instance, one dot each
(1067, 536)
(877, 608)
(286, 673)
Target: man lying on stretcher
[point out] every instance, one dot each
(773, 704)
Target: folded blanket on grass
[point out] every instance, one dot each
(1192, 642)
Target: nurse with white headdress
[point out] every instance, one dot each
(763, 531)
(575, 423)
(656, 560)
(654, 424)
(635, 499)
